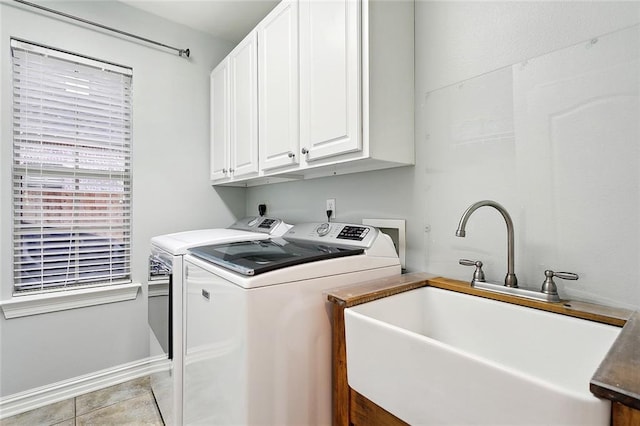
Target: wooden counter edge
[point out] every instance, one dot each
(589, 311)
(618, 376)
(369, 291)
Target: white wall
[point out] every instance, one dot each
(455, 42)
(534, 137)
(170, 186)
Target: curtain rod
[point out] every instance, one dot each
(181, 52)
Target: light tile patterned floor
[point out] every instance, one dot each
(130, 403)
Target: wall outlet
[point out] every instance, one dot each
(331, 205)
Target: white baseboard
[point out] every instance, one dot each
(56, 392)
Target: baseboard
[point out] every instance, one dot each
(56, 392)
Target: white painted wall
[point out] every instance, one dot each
(170, 187)
(455, 41)
(555, 141)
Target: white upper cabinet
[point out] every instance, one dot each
(278, 92)
(243, 103)
(331, 92)
(330, 115)
(234, 114)
(219, 124)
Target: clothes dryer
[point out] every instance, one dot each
(165, 301)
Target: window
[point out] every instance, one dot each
(71, 170)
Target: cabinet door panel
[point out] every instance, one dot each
(278, 87)
(330, 77)
(244, 107)
(219, 121)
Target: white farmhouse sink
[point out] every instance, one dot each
(433, 356)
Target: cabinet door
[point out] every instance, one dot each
(278, 87)
(244, 107)
(219, 122)
(330, 85)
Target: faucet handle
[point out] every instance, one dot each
(549, 286)
(478, 274)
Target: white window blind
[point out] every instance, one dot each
(71, 170)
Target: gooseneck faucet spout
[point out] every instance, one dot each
(510, 280)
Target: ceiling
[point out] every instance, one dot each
(226, 19)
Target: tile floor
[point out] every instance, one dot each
(129, 403)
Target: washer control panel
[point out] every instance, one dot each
(333, 233)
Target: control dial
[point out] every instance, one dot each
(323, 229)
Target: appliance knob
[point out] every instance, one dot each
(323, 229)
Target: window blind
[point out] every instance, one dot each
(71, 170)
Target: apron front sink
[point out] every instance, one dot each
(433, 356)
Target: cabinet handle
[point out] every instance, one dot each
(224, 171)
(291, 154)
(230, 171)
(305, 151)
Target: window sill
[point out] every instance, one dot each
(23, 306)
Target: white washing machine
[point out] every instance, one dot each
(165, 301)
(258, 325)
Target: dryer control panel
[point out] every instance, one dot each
(333, 233)
(264, 224)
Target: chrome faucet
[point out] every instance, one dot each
(510, 279)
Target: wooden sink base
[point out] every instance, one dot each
(352, 408)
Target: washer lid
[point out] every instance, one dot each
(255, 257)
(180, 242)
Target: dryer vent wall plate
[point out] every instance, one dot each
(395, 228)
